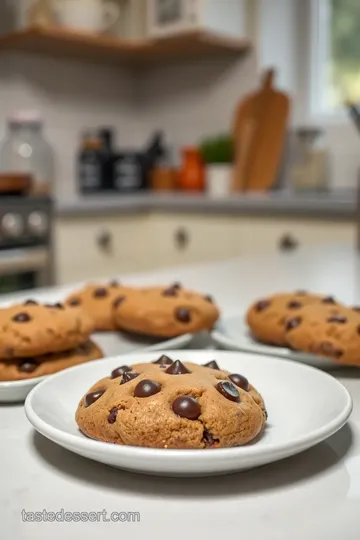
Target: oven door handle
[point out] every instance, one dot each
(23, 260)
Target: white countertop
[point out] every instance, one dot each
(315, 495)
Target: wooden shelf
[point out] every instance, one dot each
(55, 42)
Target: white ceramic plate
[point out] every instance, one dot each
(305, 406)
(112, 344)
(233, 334)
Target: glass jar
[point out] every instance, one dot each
(309, 161)
(24, 150)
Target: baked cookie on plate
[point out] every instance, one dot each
(170, 404)
(266, 317)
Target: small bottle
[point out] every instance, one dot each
(90, 163)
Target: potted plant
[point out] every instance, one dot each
(218, 153)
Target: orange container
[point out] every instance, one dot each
(192, 172)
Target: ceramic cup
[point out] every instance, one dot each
(86, 15)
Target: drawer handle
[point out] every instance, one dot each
(182, 239)
(288, 243)
(104, 240)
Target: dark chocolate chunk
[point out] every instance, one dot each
(337, 319)
(146, 388)
(228, 390)
(171, 291)
(176, 285)
(294, 304)
(84, 348)
(212, 365)
(114, 283)
(163, 361)
(328, 349)
(262, 305)
(177, 368)
(101, 292)
(129, 376)
(74, 302)
(21, 317)
(183, 315)
(112, 415)
(28, 366)
(209, 299)
(329, 300)
(119, 371)
(293, 323)
(92, 397)
(186, 407)
(208, 438)
(31, 303)
(118, 301)
(240, 381)
(55, 306)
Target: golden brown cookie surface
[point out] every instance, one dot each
(266, 317)
(32, 329)
(164, 311)
(170, 404)
(97, 301)
(28, 368)
(329, 331)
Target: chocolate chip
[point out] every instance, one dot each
(172, 291)
(228, 390)
(101, 292)
(129, 376)
(356, 308)
(262, 305)
(74, 302)
(293, 323)
(209, 299)
(146, 388)
(55, 306)
(84, 348)
(240, 381)
(92, 397)
(328, 349)
(31, 303)
(176, 285)
(294, 304)
(119, 371)
(212, 364)
(112, 415)
(177, 368)
(28, 366)
(21, 317)
(183, 315)
(186, 407)
(163, 361)
(208, 438)
(118, 301)
(329, 300)
(114, 283)
(337, 319)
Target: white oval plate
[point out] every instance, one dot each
(111, 343)
(233, 334)
(305, 406)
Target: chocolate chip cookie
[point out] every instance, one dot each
(266, 317)
(170, 404)
(97, 301)
(31, 329)
(164, 311)
(17, 369)
(328, 331)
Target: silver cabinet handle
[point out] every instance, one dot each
(182, 239)
(288, 243)
(104, 240)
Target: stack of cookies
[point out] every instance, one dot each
(170, 404)
(309, 323)
(38, 340)
(162, 312)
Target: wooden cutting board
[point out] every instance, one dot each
(259, 133)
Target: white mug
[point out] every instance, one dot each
(86, 15)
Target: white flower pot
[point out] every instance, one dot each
(218, 180)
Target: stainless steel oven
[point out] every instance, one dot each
(26, 254)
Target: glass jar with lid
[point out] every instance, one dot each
(24, 150)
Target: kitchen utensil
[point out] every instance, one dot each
(86, 15)
(305, 406)
(259, 134)
(309, 167)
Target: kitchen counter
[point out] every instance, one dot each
(314, 495)
(341, 204)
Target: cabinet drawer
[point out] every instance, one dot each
(88, 248)
(287, 235)
(186, 239)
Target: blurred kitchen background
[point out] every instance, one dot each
(138, 134)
